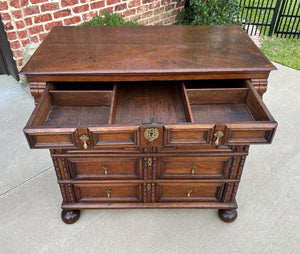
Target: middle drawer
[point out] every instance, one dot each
(194, 167)
(105, 168)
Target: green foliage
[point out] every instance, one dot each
(210, 12)
(282, 50)
(109, 19)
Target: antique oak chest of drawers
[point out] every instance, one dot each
(148, 117)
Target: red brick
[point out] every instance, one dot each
(49, 7)
(144, 22)
(17, 53)
(20, 24)
(129, 12)
(42, 18)
(31, 10)
(147, 14)
(88, 16)
(11, 36)
(169, 7)
(111, 2)
(71, 21)
(15, 45)
(36, 29)
(52, 24)
(17, 14)
(19, 63)
(97, 5)
(165, 2)
(62, 13)
(146, 1)
(84, 1)
(24, 3)
(158, 11)
(35, 39)
(65, 3)
(28, 21)
(3, 6)
(8, 26)
(38, 1)
(179, 4)
(5, 16)
(120, 7)
(134, 3)
(153, 19)
(154, 5)
(14, 3)
(142, 8)
(22, 34)
(81, 8)
(42, 36)
(25, 42)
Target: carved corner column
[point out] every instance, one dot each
(260, 85)
(37, 89)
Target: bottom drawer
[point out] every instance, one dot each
(115, 192)
(185, 192)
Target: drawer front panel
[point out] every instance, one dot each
(185, 192)
(52, 138)
(115, 136)
(93, 193)
(105, 168)
(194, 167)
(188, 135)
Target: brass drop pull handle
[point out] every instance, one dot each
(106, 168)
(84, 139)
(193, 167)
(189, 191)
(108, 192)
(218, 135)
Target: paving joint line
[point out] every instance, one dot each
(24, 182)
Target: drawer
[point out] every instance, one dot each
(158, 115)
(184, 192)
(105, 168)
(112, 192)
(77, 119)
(219, 116)
(194, 167)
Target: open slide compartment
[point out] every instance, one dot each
(110, 114)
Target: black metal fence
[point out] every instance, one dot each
(281, 17)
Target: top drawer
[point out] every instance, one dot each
(144, 114)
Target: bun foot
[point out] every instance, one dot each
(227, 215)
(70, 216)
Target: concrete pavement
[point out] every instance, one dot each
(268, 197)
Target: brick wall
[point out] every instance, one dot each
(29, 21)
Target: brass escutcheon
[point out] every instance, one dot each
(218, 135)
(149, 186)
(106, 168)
(108, 192)
(189, 191)
(151, 134)
(193, 167)
(84, 139)
(149, 162)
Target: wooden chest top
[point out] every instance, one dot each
(146, 53)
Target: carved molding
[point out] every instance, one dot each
(37, 89)
(227, 192)
(57, 168)
(260, 85)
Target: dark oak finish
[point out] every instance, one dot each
(148, 117)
